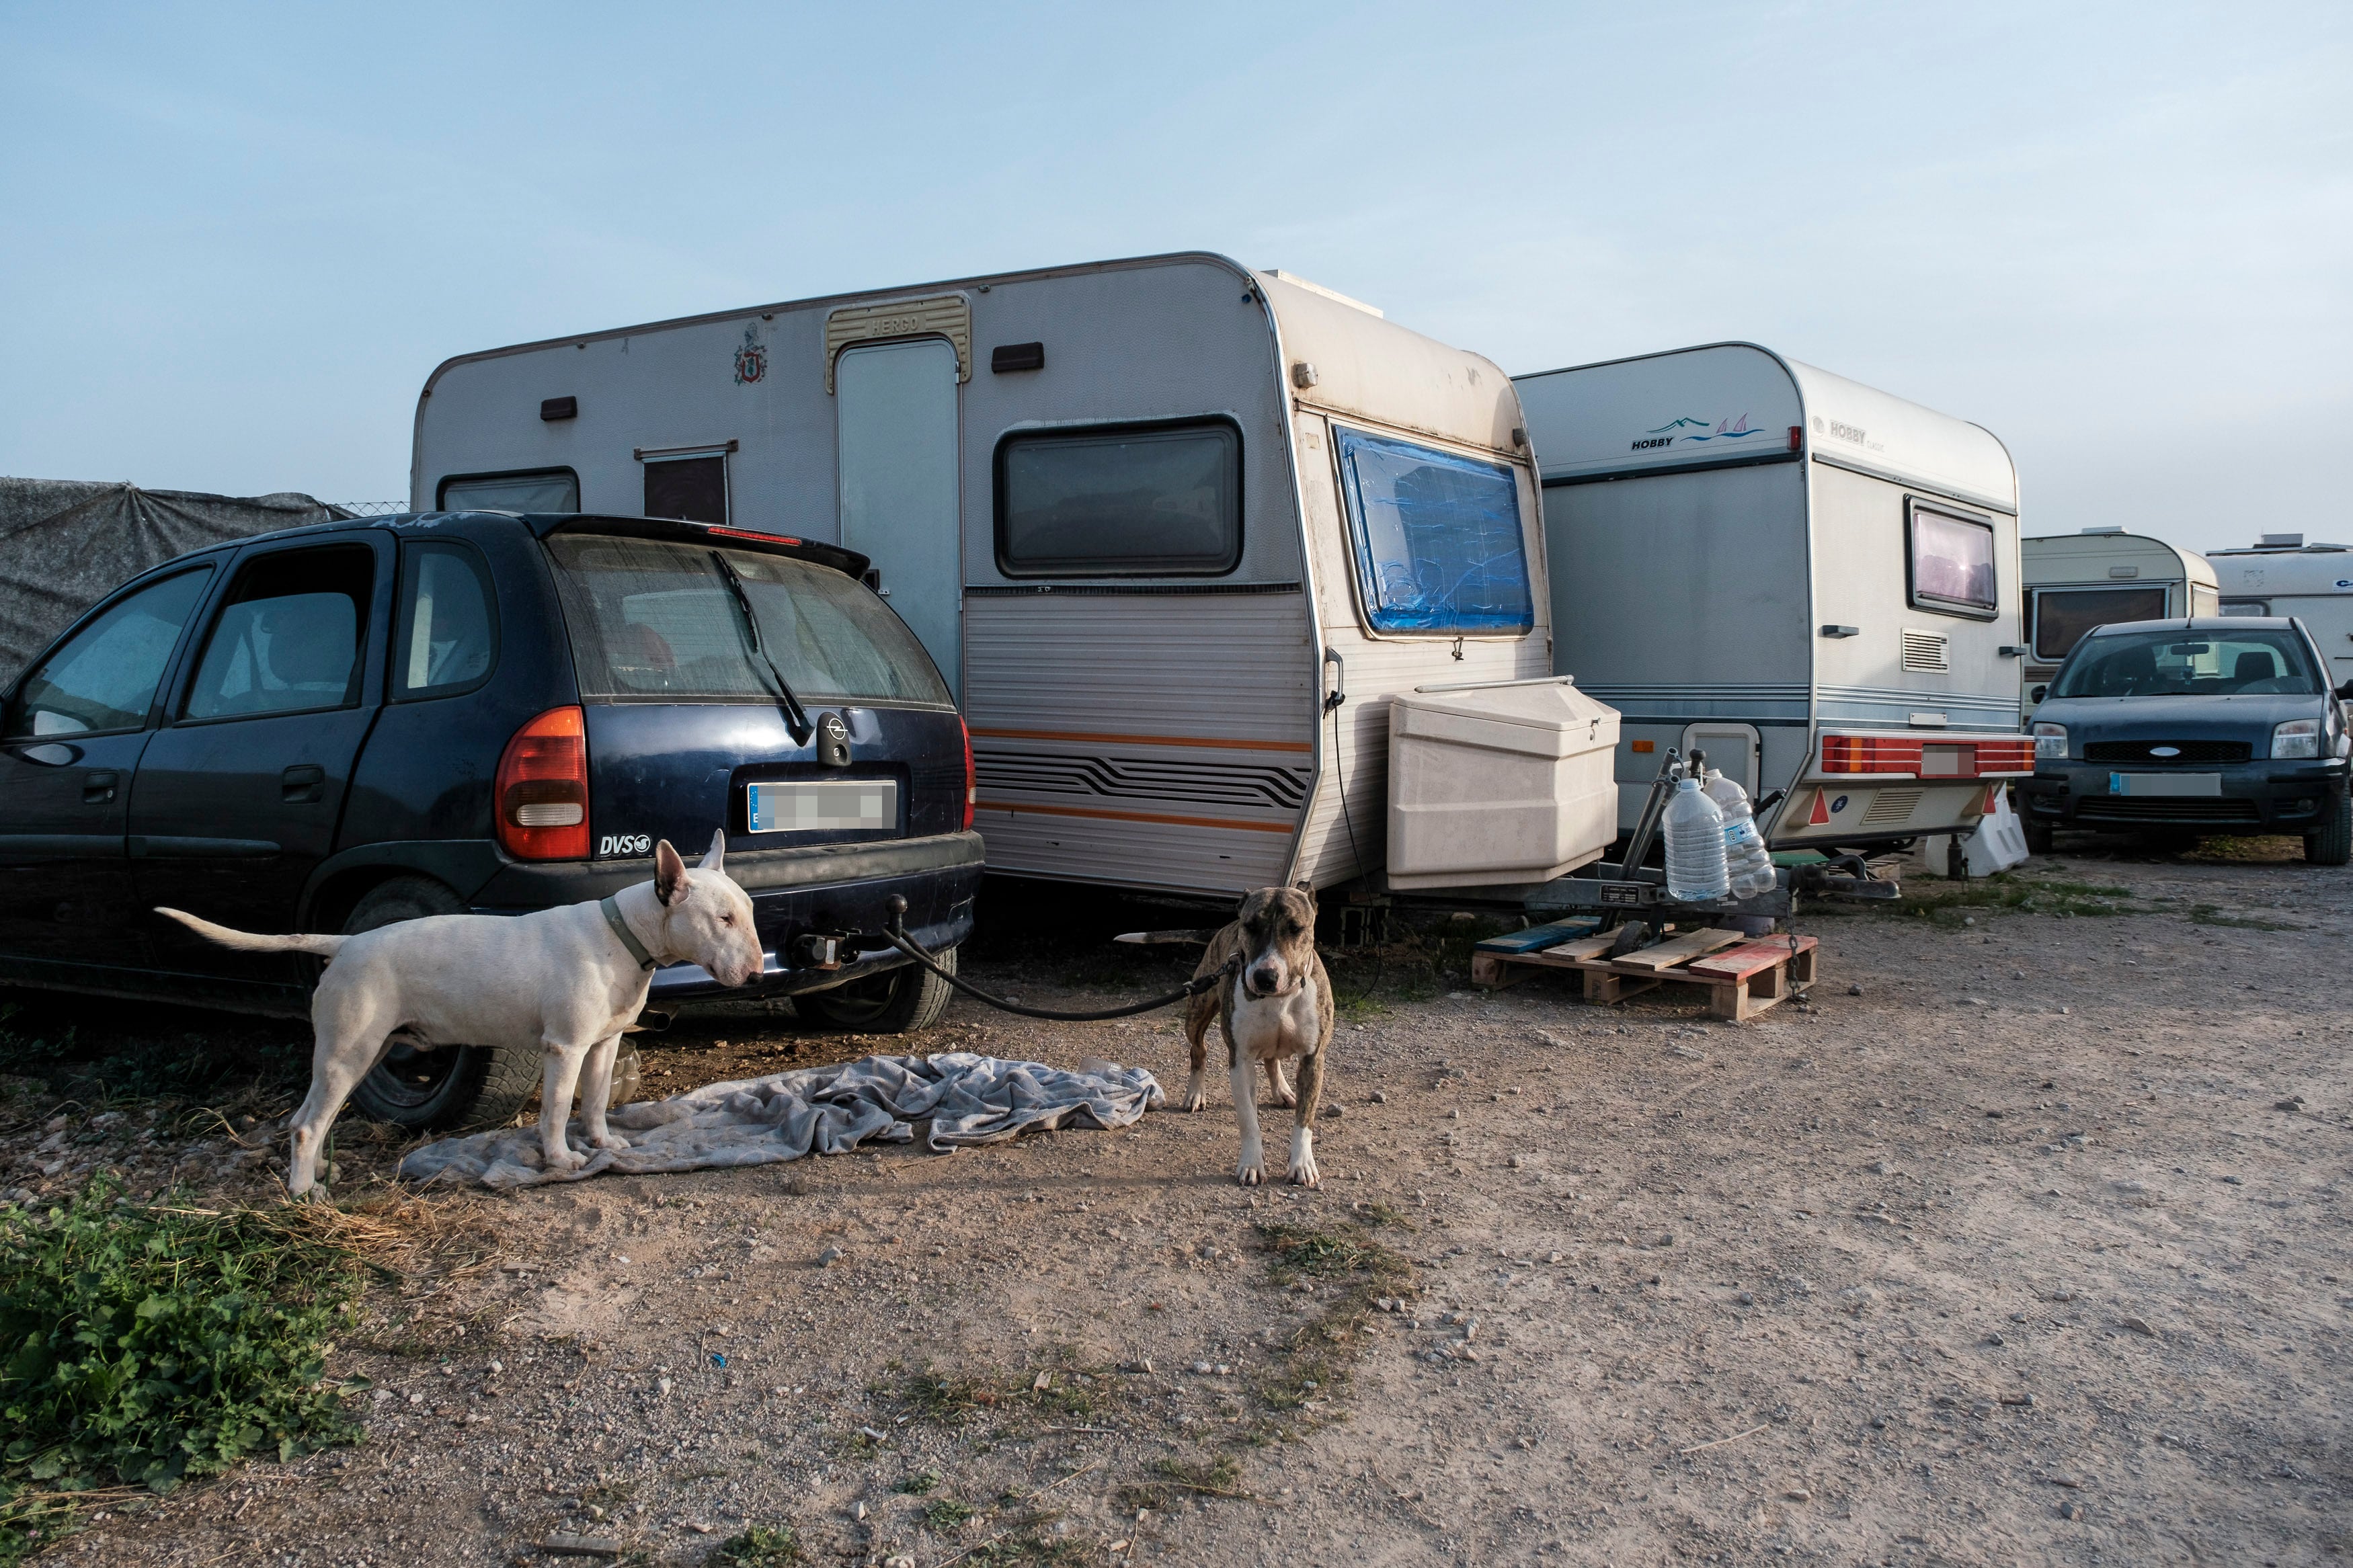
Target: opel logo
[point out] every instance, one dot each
(835, 729)
(2165, 751)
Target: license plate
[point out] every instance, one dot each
(2165, 783)
(823, 806)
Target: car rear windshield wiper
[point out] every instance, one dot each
(797, 719)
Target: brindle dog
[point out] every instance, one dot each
(1278, 1004)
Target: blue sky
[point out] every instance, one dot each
(2121, 238)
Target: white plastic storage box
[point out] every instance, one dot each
(1503, 784)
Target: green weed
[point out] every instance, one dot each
(760, 1546)
(919, 1483)
(942, 1515)
(143, 1346)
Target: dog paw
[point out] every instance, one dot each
(609, 1141)
(1250, 1176)
(1287, 1099)
(1192, 1099)
(566, 1159)
(1303, 1172)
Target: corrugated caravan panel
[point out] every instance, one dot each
(1154, 740)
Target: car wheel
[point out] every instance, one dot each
(2333, 844)
(896, 1002)
(453, 1085)
(2039, 836)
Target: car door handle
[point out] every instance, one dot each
(302, 784)
(98, 789)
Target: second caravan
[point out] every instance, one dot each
(2074, 582)
(1812, 580)
(1176, 530)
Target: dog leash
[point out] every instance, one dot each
(897, 937)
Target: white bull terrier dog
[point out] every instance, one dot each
(567, 981)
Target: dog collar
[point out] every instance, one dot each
(621, 928)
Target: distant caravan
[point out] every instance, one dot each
(2283, 575)
(2074, 582)
(1815, 583)
(1176, 531)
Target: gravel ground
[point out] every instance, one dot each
(2022, 1243)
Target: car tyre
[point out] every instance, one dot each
(2333, 844)
(896, 1002)
(2039, 836)
(454, 1086)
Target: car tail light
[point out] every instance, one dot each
(542, 789)
(1869, 754)
(751, 534)
(971, 778)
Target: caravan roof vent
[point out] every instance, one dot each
(1925, 651)
(2106, 528)
(2282, 542)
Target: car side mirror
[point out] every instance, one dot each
(2039, 693)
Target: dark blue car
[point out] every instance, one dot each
(2186, 728)
(341, 726)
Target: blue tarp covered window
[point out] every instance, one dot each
(1437, 537)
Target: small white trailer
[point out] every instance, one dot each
(1175, 530)
(2283, 575)
(2074, 582)
(1813, 581)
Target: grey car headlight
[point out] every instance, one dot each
(2051, 743)
(2297, 738)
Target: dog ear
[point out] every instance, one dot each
(717, 860)
(670, 874)
(1306, 889)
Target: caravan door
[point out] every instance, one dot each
(895, 405)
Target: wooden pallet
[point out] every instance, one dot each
(1743, 976)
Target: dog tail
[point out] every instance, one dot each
(246, 941)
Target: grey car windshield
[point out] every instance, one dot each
(2188, 663)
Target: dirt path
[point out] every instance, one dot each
(2026, 1253)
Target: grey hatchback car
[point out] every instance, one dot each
(2186, 728)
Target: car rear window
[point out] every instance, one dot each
(656, 621)
(2188, 663)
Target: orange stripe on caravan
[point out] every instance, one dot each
(1218, 742)
(1134, 817)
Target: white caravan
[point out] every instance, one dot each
(1813, 581)
(1175, 530)
(2074, 582)
(2285, 576)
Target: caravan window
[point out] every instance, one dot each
(2063, 615)
(536, 489)
(1438, 543)
(1135, 501)
(1949, 557)
(691, 488)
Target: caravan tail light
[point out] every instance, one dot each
(2006, 756)
(1928, 759)
(971, 778)
(1797, 437)
(542, 789)
(1869, 754)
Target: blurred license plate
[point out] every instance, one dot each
(2165, 783)
(823, 806)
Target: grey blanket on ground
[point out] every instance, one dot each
(961, 1099)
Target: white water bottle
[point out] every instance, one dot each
(1748, 863)
(1694, 828)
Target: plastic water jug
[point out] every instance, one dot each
(1748, 863)
(1694, 828)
